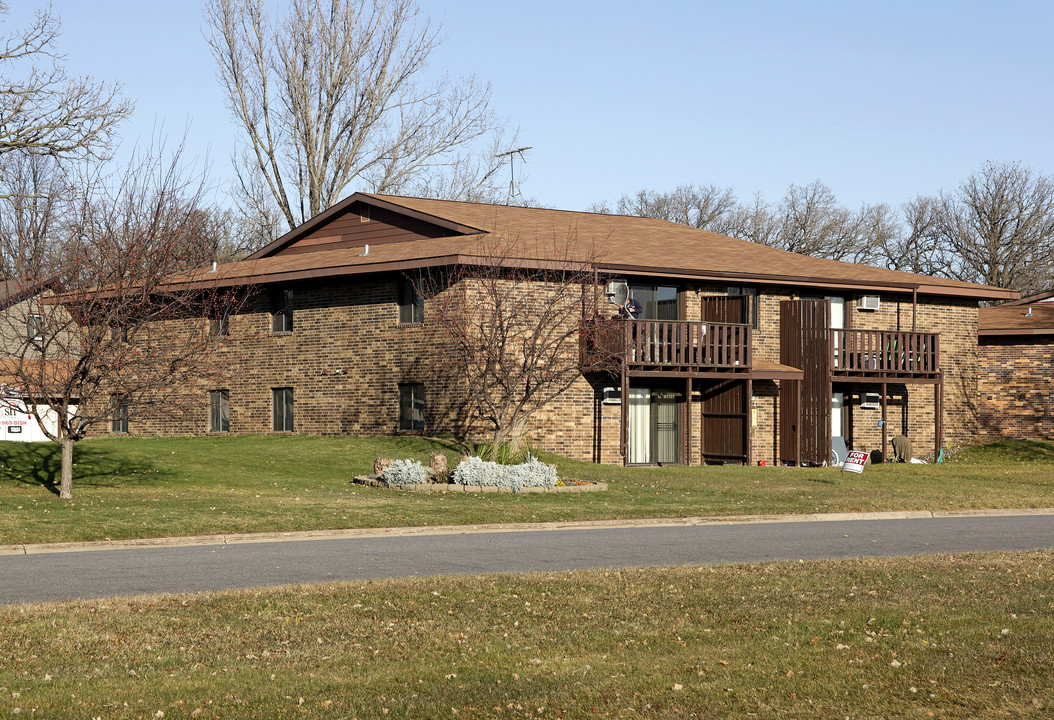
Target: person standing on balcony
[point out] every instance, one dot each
(630, 310)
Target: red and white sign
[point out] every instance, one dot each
(855, 461)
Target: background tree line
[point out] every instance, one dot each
(996, 227)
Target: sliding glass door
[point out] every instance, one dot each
(654, 426)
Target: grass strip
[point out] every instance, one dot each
(155, 487)
(936, 636)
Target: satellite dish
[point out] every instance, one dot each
(618, 292)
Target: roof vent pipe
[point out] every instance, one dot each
(366, 251)
(213, 266)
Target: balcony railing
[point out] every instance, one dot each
(884, 352)
(662, 344)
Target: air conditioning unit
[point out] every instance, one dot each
(867, 302)
(611, 396)
(871, 401)
(617, 292)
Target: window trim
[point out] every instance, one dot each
(35, 321)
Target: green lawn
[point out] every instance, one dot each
(155, 487)
(940, 636)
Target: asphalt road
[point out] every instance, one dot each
(106, 573)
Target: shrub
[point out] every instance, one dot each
(405, 472)
(504, 454)
(533, 473)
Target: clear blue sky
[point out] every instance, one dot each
(880, 101)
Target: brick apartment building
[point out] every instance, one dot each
(744, 353)
(1016, 368)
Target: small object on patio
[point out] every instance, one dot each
(901, 448)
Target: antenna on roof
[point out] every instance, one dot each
(514, 191)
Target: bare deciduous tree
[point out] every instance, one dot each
(119, 337)
(512, 327)
(999, 227)
(44, 111)
(332, 93)
(705, 207)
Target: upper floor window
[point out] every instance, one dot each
(411, 300)
(659, 301)
(219, 324)
(35, 326)
(282, 311)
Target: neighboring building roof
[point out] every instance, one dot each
(1043, 297)
(1013, 319)
(622, 245)
(15, 290)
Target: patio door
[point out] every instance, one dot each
(654, 426)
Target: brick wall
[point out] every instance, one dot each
(348, 353)
(1016, 386)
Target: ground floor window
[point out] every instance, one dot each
(654, 426)
(119, 421)
(282, 400)
(219, 411)
(412, 406)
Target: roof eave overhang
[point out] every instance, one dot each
(1015, 331)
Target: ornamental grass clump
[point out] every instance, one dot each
(405, 472)
(482, 473)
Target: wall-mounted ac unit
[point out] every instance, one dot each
(871, 401)
(611, 396)
(867, 302)
(618, 292)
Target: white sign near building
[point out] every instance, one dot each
(19, 425)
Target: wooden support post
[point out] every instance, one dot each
(938, 416)
(688, 422)
(750, 421)
(797, 425)
(624, 413)
(914, 309)
(885, 424)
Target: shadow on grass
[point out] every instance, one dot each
(40, 464)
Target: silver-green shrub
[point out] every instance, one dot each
(481, 473)
(405, 472)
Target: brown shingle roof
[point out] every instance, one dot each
(624, 244)
(1014, 320)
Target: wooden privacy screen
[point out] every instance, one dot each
(726, 309)
(725, 414)
(804, 343)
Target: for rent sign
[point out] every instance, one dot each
(855, 461)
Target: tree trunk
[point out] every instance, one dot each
(66, 483)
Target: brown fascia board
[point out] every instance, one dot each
(1016, 331)
(326, 215)
(810, 281)
(1032, 298)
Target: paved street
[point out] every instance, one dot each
(112, 572)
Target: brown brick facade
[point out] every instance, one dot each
(1016, 386)
(348, 354)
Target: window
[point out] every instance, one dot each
(119, 422)
(219, 324)
(412, 406)
(411, 301)
(35, 326)
(659, 301)
(752, 292)
(282, 311)
(220, 411)
(282, 399)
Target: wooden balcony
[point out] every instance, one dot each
(661, 347)
(884, 354)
